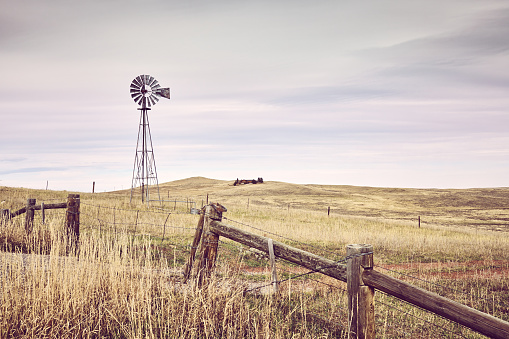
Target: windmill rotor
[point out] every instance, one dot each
(146, 91)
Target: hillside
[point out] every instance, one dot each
(483, 208)
(480, 208)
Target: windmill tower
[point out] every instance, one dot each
(146, 91)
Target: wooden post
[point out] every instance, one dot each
(208, 248)
(328, 211)
(93, 187)
(29, 216)
(419, 219)
(361, 311)
(42, 213)
(272, 259)
(194, 246)
(73, 222)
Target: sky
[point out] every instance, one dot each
(368, 93)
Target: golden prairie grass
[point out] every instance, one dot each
(124, 285)
(112, 290)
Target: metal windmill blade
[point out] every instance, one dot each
(146, 91)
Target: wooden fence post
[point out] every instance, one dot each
(196, 241)
(208, 248)
(361, 312)
(73, 222)
(43, 215)
(29, 216)
(272, 259)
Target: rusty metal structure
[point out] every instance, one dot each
(145, 91)
(247, 181)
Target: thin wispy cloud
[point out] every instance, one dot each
(378, 93)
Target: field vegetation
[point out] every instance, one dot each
(125, 281)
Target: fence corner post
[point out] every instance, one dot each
(361, 312)
(29, 216)
(73, 222)
(208, 249)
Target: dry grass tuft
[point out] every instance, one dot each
(124, 284)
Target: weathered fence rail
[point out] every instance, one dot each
(72, 216)
(358, 273)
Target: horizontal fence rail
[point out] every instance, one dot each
(364, 327)
(464, 315)
(356, 269)
(297, 256)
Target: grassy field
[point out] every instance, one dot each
(126, 281)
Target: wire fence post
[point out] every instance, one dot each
(272, 259)
(197, 237)
(208, 248)
(73, 222)
(361, 311)
(29, 216)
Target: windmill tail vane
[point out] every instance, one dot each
(145, 91)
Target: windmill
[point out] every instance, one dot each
(146, 91)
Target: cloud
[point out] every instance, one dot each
(32, 170)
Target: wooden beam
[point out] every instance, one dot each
(50, 206)
(196, 241)
(292, 254)
(19, 212)
(464, 315)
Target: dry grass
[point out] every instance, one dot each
(124, 285)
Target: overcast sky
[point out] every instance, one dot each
(374, 93)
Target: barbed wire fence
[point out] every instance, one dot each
(143, 222)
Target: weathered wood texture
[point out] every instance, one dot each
(208, 249)
(73, 222)
(29, 216)
(37, 208)
(19, 212)
(361, 310)
(292, 254)
(197, 237)
(50, 206)
(272, 259)
(469, 317)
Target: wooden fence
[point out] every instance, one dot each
(358, 273)
(72, 216)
